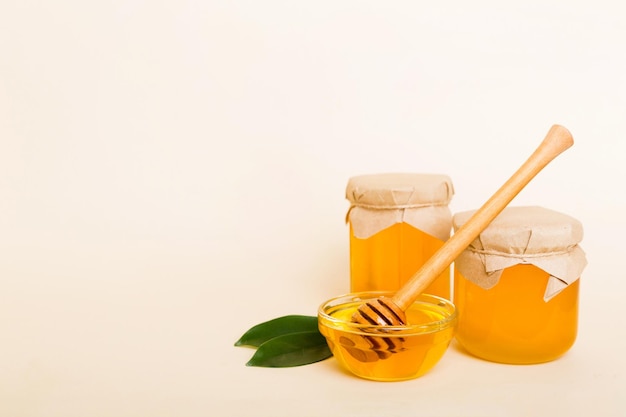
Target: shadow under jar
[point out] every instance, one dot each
(516, 287)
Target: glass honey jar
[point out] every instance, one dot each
(516, 286)
(397, 221)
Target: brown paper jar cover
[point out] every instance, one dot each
(378, 201)
(533, 235)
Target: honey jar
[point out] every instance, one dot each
(397, 221)
(516, 286)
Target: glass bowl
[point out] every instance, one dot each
(388, 353)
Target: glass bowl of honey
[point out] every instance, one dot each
(388, 353)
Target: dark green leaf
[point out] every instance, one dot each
(293, 349)
(268, 330)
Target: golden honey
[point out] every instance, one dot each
(362, 349)
(397, 222)
(502, 325)
(511, 309)
(388, 259)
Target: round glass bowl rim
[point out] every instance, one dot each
(361, 297)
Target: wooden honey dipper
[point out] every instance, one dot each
(390, 311)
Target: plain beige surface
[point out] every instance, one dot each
(173, 172)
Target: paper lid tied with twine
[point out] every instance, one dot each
(379, 201)
(524, 235)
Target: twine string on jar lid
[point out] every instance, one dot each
(524, 235)
(522, 255)
(381, 200)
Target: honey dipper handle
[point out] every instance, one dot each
(556, 141)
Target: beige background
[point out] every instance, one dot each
(172, 173)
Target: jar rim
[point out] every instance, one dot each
(444, 306)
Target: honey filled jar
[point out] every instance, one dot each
(397, 221)
(516, 286)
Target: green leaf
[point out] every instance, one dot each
(293, 349)
(268, 330)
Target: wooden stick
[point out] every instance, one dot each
(556, 141)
